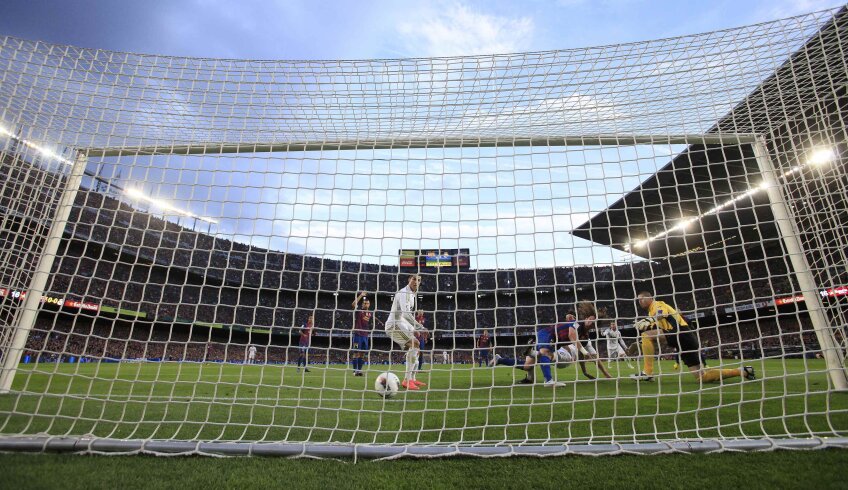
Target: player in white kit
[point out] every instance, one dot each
(615, 344)
(445, 357)
(401, 327)
(251, 354)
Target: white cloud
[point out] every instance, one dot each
(779, 9)
(455, 29)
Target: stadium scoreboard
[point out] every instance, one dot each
(435, 259)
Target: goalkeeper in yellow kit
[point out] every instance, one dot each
(665, 321)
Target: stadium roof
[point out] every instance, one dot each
(703, 177)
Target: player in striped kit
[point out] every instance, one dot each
(361, 332)
(304, 342)
(423, 337)
(401, 327)
(483, 346)
(572, 334)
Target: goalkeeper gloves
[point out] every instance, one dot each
(645, 324)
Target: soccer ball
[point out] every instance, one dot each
(387, 385)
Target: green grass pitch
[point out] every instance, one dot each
(229, 402)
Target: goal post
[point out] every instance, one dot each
(636, 248)
(25, 317)
(832, 351)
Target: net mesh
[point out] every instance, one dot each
(169, 224)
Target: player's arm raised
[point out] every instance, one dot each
(359, 297)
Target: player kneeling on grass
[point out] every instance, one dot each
(401, 327)
(665, 321)
(563, 357)
(573, 333)
(569, 335)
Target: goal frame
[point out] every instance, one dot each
(790, 238)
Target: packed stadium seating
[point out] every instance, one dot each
(120, 256)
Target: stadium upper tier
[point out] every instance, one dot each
(797, 109)
(118, 255)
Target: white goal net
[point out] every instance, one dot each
(627, 248)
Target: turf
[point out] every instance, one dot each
(227, 402)
(796, 469)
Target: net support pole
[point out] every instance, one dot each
(792, 241)
(32, 303)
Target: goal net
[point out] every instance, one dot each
(201, 255)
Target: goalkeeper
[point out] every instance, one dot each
(665, 321)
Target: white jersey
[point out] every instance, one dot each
(401, 325)
(445, 356)
(614, 342)
(251, 351)
(403, 308)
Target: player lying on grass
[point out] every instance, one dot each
(569, 336)
(564, 356)
(401, 327)
(665, 321)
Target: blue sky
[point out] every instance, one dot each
(375, 29)
(511, 208)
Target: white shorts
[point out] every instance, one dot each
(566, 354)
(251, 356)
(617, 352)
(401, 332)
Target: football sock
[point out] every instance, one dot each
(648, 354)
(545, 364)
(410, 365)
(507, 361)
(717, 374)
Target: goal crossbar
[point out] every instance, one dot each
(414, 143)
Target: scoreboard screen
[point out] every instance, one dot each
(435, 259)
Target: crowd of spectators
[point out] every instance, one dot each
(142, 263)
(118, 256)
(63, 337)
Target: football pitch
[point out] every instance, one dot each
(461, 405)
